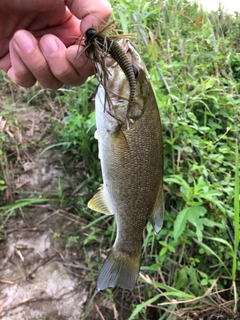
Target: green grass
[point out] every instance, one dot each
(199, 106)
(8, 210)
(193, 61)
(236, 223)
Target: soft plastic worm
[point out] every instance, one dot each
(119, 55)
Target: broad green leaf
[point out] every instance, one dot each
(182, 279)
(210, 223)
(193, 277)
(180, 223)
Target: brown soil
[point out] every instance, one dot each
(42, 276)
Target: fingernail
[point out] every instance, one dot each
(24, 42)
(48, 45)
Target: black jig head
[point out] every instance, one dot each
(90, 34)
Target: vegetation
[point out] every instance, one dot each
(200, 115)
(191, 269)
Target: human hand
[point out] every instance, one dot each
(37, 40)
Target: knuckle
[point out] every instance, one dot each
(26, 82)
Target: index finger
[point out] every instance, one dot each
(91, 12)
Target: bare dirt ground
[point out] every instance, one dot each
(41, 276)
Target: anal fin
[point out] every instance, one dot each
(157, 215)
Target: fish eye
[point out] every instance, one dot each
(90, 34)
(135, 71)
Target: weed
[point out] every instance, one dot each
(2, 185)
(199, 105)
(72, 240)
(8, 210)
(191, 269)
(75, 133)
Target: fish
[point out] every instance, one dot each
(132, 165)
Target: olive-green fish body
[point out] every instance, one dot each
(132, 168)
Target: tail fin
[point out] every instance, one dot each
(119, 270)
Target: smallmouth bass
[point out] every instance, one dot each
(132, 166)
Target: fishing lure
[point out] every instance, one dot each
(97, 43)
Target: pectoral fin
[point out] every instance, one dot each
(99, 203)
(157, 215)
